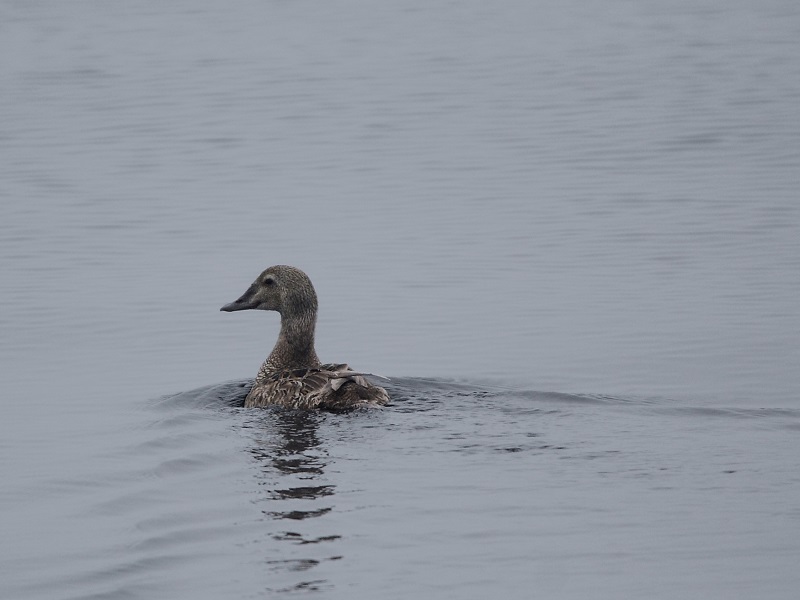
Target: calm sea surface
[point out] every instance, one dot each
(569, 232)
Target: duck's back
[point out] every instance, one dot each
(327, 387)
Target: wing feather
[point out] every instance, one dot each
(333, 386)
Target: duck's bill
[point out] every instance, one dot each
(243, 303)
(232, 306)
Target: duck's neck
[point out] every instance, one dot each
(295, 346)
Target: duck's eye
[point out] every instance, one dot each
(269, 281)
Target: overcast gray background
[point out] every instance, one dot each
(576, 197)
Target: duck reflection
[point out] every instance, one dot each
(294, 462)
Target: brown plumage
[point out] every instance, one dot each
(292, 376)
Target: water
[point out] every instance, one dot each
(569, 233)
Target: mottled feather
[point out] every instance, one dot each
(330, 387)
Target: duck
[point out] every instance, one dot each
(292, 376)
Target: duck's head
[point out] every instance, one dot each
(281, 288)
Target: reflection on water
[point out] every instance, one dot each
(293, 462)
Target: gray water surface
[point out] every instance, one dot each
(569, 232)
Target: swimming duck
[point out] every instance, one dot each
(292, 376)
